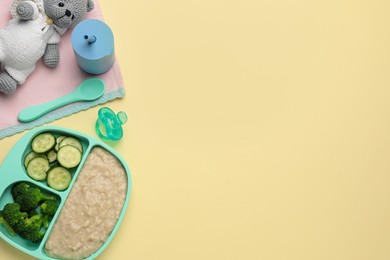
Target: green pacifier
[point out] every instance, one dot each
(109, 125)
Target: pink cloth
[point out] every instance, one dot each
(46, 84)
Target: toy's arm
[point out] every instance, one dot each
(52, 52)
(52, 55)
(25, 10)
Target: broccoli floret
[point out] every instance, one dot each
(21, 216)
(19, 189)
(12, 214)
(35, 237)
(31, 198)
(48, 209)
(5, 223)
(30, 228)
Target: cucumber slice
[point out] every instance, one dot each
(31, 155)
(59, 178)
(52, 156)
(71, 141)
(58, 141)
(69, 156)
(37, 168)
(43, 142)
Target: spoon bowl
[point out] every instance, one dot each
(91, 89)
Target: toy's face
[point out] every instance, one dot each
(66, 13)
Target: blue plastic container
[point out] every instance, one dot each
(93, 45)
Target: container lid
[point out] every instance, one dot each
(92, 39)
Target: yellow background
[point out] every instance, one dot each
(257, 129)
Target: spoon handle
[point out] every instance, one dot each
(34, 112)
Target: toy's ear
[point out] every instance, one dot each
(90, 5)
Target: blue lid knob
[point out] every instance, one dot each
(90, 38)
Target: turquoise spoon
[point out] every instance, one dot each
(89, 90)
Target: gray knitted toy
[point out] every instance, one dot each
(34, 32)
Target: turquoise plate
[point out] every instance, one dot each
(12, 170)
